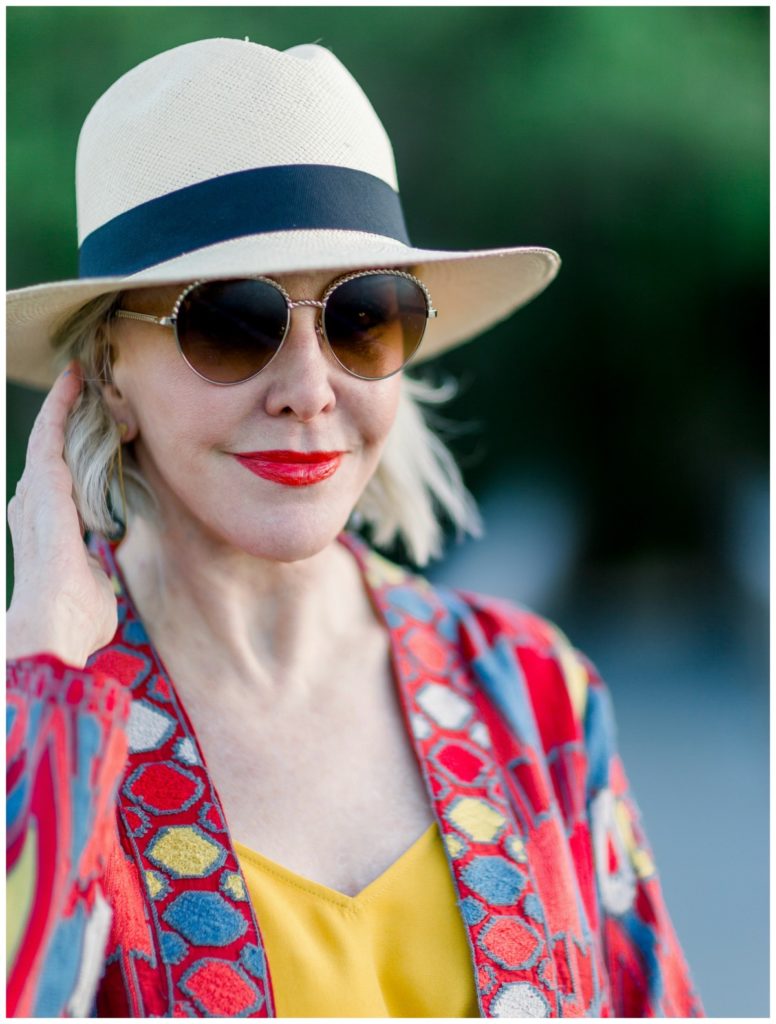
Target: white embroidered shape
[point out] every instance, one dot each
(147, 728)
(480, 734)
(618, 886)
(520, 999)
(185, 751)
(421, 727)
(448, 709)
(92, 963)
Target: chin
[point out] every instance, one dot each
(287, 535)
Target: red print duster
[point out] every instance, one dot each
(125, 895)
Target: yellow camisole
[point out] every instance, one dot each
(397, 949)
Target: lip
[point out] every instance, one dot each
(293, 469)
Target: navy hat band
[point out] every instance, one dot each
(295, 197)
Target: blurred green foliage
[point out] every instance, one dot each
(634, 140)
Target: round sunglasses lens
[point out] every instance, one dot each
(229, 330)
(375, 323)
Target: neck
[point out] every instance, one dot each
(269, 628)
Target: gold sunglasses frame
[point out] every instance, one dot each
(172, 319)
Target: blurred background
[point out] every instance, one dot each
(615, 430)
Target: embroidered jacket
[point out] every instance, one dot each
(125, 895)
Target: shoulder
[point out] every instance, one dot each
(498, 636)
(539, 644)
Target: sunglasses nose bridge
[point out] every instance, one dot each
(316, 304)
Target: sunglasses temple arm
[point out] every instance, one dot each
(162, 321)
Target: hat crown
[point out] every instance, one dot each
(219, 106)
(224, 158)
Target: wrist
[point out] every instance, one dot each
(26, 635)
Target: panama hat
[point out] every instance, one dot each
(223, 158)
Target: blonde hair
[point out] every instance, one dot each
(417, 484)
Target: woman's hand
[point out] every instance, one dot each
(63, 602)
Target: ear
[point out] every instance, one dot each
(120, 409)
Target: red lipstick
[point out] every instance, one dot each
(294, 469)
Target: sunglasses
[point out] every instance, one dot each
(228, 331)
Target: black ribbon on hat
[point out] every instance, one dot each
(295, 197)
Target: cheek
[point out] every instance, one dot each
(172, 410)
(379, 410)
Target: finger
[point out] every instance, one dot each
(16, 504)
(47, 438)
(15, 522)
(13, 512)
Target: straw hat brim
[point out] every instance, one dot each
(472, 290)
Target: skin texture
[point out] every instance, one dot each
(252, 563)
(185, 428)
(62, 601)
(259, 616)
(237, 569)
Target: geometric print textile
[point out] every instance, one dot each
(65, 749)
(514, 737)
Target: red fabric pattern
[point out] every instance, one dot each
(55, 836)
(554, 877)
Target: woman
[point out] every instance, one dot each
(255, 769)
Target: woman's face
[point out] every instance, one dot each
(214, 456)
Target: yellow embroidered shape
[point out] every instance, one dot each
(232, 885)
(476, 819)
(640, 858)
(154, 883)
(455, 846)
(185, 852)
(380, 571)
(516, 848)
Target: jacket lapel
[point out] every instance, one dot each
(205, 935)
(475, 736)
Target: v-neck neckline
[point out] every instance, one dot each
(353, 546)
(318, 890)
(442, 661)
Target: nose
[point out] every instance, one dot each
(298, 380)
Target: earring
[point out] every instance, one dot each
(123, 428)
